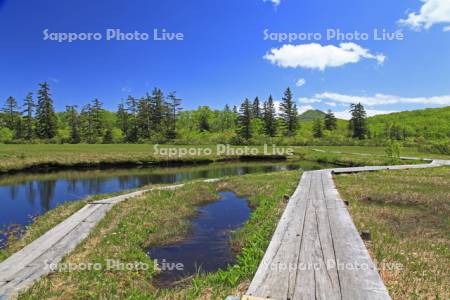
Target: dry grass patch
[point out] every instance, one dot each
(408, 214)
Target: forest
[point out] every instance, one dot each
(158, 117)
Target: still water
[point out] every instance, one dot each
(26, 195)
(207, 248)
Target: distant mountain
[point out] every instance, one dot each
(311, 115)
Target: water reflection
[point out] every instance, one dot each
(208, 247)
(25, 195)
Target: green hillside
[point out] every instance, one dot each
(311, 114)
(431, 124)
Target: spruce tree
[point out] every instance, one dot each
(87, 124)
(174, 104)
(330, 121)
(244, 120)
(97, 117)
(358, 123)
(11, 112)
(256, 108)
(270, 118)
(122, 119)
(28, 118)
(289, 113)
(46, 120)
(143, 117)
(317, 128)
(132, 108)
(73, 122)
(158, 109)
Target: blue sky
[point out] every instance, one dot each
(224, 56)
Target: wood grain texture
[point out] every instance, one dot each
(23, 268)
(316, 251)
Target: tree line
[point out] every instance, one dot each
(157, 117)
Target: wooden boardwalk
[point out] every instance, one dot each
(315, 231)
(21, 269)
(316, 251)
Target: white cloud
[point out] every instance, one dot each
(276, 105)
(300, 82)
(432, 12)
(330, 104)
(309, 100)
(316, 56)
(370, 113)
(274, 2)
(379, 99)
(447, 28)
(302, 108)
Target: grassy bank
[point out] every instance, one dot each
(35, 156)
(161, 217)
(41, 156)
(378, 151)
(408, 214)
(41, 224)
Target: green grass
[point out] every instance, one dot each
(19, 157)
(161, 217)
(405, 151)
(50, 219)
(408, 214)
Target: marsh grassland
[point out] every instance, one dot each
(38, 156)
(162, 217)
(408, 215)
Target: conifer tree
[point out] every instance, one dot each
(122, 119)
(144, 117)
(270, 117)
(28, 118)
(317, 128)
(87, 124)
(46, 120)
(289, 113)
(256, 108)
(330, 121)
(132, 132)
(11, 112)
(358, 123)
(174, 104)
(244, 120)
(74, 123)
(158, 109)
(97, 117)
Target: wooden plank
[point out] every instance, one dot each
(29, 264)
(314, 280)
(357, 274)
(270, 280)
(46, 241)
(316, 229)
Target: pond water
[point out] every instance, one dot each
(207, 248)
(25, 195)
